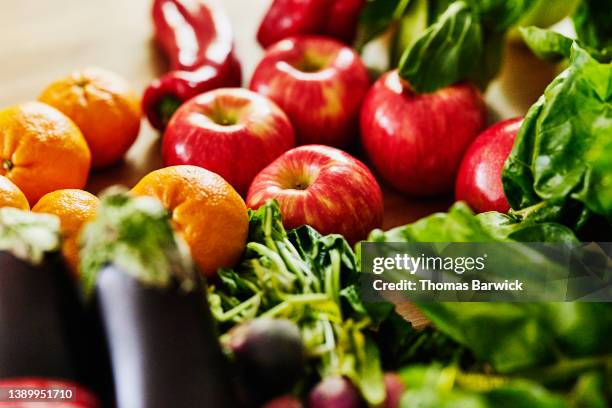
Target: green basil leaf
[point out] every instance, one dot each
(376, 17)
(458, 225)
(546, 44)
(504, 226)
(575, 126)
(562, 150)
(447, 52)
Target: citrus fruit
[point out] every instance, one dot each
(11, 195)
(41, 150)
(206, 211)
(104, 107)
(74, 208)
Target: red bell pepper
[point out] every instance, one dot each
(198, 42)
(334, 18)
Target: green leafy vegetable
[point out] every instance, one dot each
(465, 41)
(436, 386)
(546, 44)
(376, 17)
(460, 224)
(135, 235)
(448, 51)
(560, 160)
(29, 236)
(312, 280)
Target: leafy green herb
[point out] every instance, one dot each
(29, 236)
(546, 44)
(134, 234)
(448, 51)
(560, 160)
(311, 280)
(464, 41)
(376, 17)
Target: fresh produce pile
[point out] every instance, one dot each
(231, 277)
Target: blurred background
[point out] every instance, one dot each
(44, 40)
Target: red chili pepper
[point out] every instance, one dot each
(287, 18)
(197, 39)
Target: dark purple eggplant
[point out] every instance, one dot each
(270, 357)
(38, 320)
(163, 346)
(44, 336)
(152, 307)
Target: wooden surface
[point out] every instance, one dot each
(43, 40)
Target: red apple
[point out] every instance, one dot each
(416, 141)
(479, 180)
(319, 83)
(230, 131)
(287, 18)
(323, 187)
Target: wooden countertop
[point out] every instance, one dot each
(44, 40)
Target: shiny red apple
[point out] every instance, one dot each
(479, 179)
(323, 187)
(230, 131)
(416, 141)
(287, 18)
(319, 83)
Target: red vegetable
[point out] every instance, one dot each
(197, 39)
(287, 18)
(394, 388)
(334, 392)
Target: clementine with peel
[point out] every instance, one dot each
(206, 211)
(74, 208)
(41, 150)
(104, 106)
(11, 195)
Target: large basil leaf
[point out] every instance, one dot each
(464, 41)
(562, 150)
(504, 226)
(460, 224)
(447, 52)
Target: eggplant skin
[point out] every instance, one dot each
(39, 312)
(163, 346)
